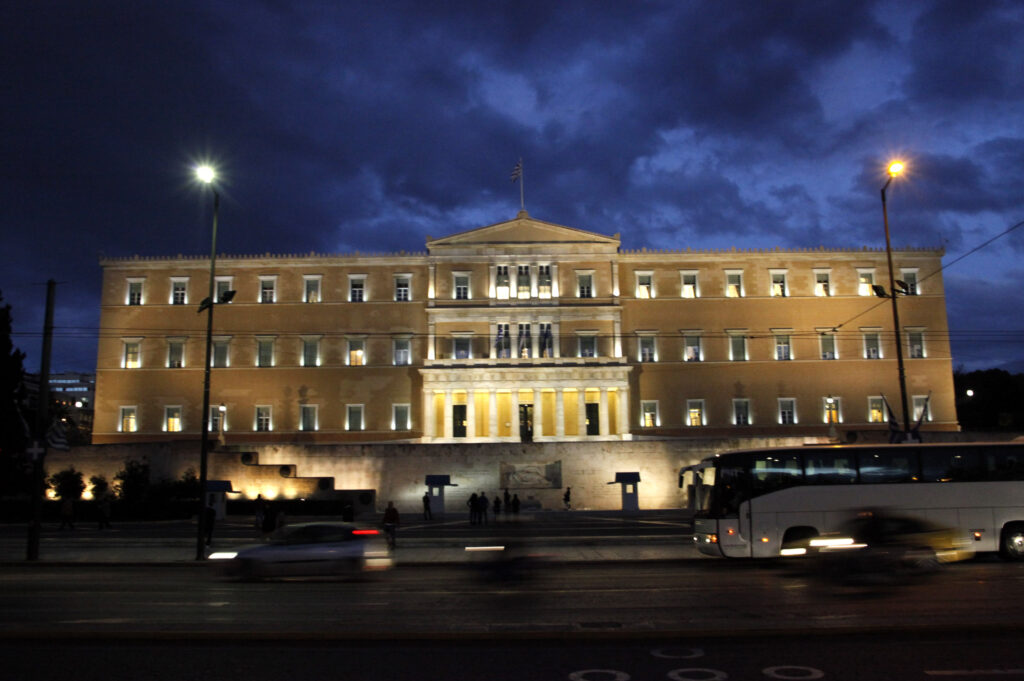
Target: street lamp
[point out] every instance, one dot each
(895, 168)
(206, 174)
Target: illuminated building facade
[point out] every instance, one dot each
(521, 331)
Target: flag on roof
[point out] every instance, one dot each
(517, 172)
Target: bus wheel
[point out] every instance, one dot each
(1011, 543)
(798, 537)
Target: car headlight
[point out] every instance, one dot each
(223, 555)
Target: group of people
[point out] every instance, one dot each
(479, 505)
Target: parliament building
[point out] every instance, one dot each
(523, 331)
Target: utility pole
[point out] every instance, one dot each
(38, 449)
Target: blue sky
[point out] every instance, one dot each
(366, 126)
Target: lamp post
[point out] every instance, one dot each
(206, 175)
(895, 168)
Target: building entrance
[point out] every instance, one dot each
(526, 422)
(458, 420)
(593, 419)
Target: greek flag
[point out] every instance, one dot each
(895, 434)
(517, 172)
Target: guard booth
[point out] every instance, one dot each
(630, 494)
(435, 492)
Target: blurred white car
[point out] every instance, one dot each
(308, 549)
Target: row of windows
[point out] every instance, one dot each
(526, 282)
(830, 411)
(523, 345)
(263, 418)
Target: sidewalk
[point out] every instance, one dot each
(585, 537)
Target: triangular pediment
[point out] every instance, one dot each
(522, 230)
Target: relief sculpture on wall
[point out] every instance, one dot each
(531, 475)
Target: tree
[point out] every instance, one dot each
(100, 486)
(15, 468)
(68, 484)
(132, 481)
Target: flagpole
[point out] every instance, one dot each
(522, 185)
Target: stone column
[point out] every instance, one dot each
(470, 414)
(538, 414)
(514, 415)
(581, 411)
(559, 413)
(623, 411)
(428, 414)
(492, 422)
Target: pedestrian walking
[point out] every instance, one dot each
(391, 522)
(567, 498)
(474, 509)
(515, 506)
(427, 514)
(497, 507)
(508, 502)
(67, 514)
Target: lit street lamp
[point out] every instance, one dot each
(895, 168)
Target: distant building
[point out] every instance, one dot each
(521, 331)
(73, 396)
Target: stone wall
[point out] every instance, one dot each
(538, 473)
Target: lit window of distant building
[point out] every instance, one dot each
(741, 412)
(403, 287)
(354, 417)
(179, 290)
(172, 419)
(649, 414)
(778, 288)
(128, 420)
(694, 412)
(734, 284)
(400, 417)
(268, 289)
(132, 357)
(134, 296)
(830, 410)
(175, 353)
(787, 410)
(308, 417)
(865, 282)
(264, 422)
(872, 345)
(822, 283)
(311, 288)
(356, 352)
(688, 282)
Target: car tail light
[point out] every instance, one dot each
(364, 532)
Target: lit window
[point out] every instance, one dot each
(264, 352)
(822, 283)
(644, 285)
(403, 284)
(694, 412)
(264, 419)
(544, 281)
(128, 421)
(218, 419)
(915, 344)
(501, 283)
(783, 347)
(524, 346)
(311, 288)
(402, 351)
(134, 292)
(865, 281)
(734, 284)
(737, 348)
(461, 287)
(311, 352)
(585, 285)
(308, 417)
(689, 285)
(921, 406)
(172, 419)
(909, 277)
(876, 410)
(268, 289)
(648, 349)
(175, 353)
(787, 410)
(400, 417)
(691, 348)
(462, 347)
(356, 352)
(523, 282)
(546, 341)
(355, 417)
(588, 346)
(872, 345)
(502, 342)
(221, 286)
(649, 414)
(356, 289)
(220, 353)
(741, 412)
(779, 285)
(830, 409)
(179, 291)
(132, 358)
(827, 344)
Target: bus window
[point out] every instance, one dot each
(962, 464)
(1005, 463)
(829, 468)
(889, 465)
(730, 490)
(772, 471)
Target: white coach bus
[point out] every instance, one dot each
(762, 502)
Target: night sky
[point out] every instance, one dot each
(366, 126)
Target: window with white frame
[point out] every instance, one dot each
(872, 345)
(311, 284)
(830, 410)
(220, 357)
(175, 353)
(648, 349)
(356, 355)
(268, 289)
(915, 343)
(172, 419)
(310, 352)
(546, 341)
(695, 413)
(523, 282)
(823, 283)
(218, 419)
(502, 342)
(524, 342)
(264, 352)
(544, 289)
(403, 287)
(401, 351)
(692, 351)
(865, 281)
(649, 414)
(827, 345)
(587, 344)
(787, 410)
(179, 290)
(400, 417)
(741, 412)
(221, 285)
(584, 285)
(688, 284)
(309, 415)
(778, 287)
(354, 417)
(734, 284)
(128, 421)
(356, 288)
(876, 409)
(134, 296)
(737, 347)
(263, 421)
(462, 346)
(461, 286)
(783, 346)
(921, 406)
(131, 357)
(501, 282)
(645, 285)
(909, 277)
